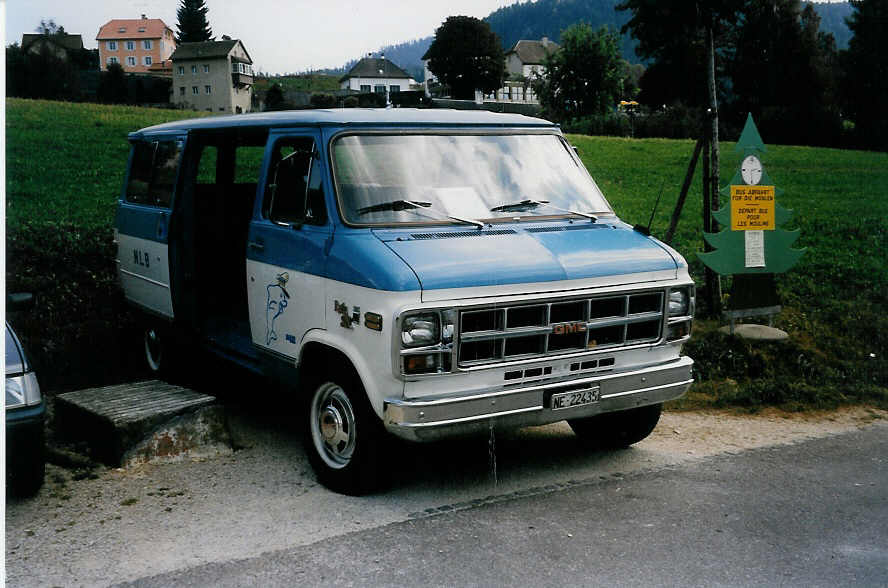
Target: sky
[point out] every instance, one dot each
(281, 36)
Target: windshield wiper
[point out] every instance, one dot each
(399, 205)
(395, 205)
(528, 204)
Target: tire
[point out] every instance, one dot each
(25, 471)
(617, 430)
(343, 437)
(159, 351)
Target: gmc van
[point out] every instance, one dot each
(418, 273)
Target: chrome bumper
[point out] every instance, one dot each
(434, 418)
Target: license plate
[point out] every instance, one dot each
(576, 398)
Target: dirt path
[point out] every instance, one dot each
(126, 524)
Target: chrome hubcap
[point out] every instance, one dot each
(153, 349)
(333, 425)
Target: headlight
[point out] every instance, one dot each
(22, 391)
(427, 341)
(679, 302)
(421, 329)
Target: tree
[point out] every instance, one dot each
(112, 85)
(467, 56)
(193, 26)
(49, 27)
(274, 98)
(584, 76)
(782, 71)
(865, 67)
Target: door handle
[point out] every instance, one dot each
(256, 245)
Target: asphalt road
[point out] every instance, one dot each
(810, 514)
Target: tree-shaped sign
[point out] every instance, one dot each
(752, 242)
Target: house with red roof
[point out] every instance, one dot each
(136, 44)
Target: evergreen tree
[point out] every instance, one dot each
(467, 56)
(783, 70)
(584, 76)
(193, 26)
(865, 66)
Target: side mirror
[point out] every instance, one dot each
(17, 301)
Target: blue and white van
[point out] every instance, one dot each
(418, 273)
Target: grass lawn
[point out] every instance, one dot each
(65, 165)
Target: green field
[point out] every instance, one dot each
(315, 83)
(65, 165)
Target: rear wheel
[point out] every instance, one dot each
(155, 349)
(615, 430)
(160, 351)
(344, 436)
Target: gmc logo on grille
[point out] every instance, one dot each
(568, 328)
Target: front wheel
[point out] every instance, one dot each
(344, 436)
(616, 430)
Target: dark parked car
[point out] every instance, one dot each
(25, 413)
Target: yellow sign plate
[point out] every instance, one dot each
(752, 208)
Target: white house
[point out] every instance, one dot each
(380, 75)
(528, 58)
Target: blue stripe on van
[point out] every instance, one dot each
(140, 221)
(360, 258)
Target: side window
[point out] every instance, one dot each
(152, 178)
(295, 189)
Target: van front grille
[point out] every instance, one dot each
(525, 331)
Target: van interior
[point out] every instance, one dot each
(222, 175)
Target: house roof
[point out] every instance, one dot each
(533, 52)
(207, 49)
(70, 42)
(154, 28)
(373, 67)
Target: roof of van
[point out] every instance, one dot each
(395, 117)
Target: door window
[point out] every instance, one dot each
(294, 194)
(152, 178)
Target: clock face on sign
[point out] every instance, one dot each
(751, 170)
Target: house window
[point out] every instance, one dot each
(395, 88)
(131, 60)
(112, 45)
(206, 68)
(379, 89)
(181, 90)
(208, 89)
(147, 60)
(146, 43)
(121, 30)
(181, 70)
(365, 88)
(112, 60)
(193, 70)
(194, 90)
(142, 30)
(130, 45)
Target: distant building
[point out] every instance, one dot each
(380, 75)
(59, 45)
(215, 75)
(136, 44)
(528, 58)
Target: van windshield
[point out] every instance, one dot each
(434, 178)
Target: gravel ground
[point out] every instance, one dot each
(125, 524)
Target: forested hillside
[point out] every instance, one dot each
(547, 18)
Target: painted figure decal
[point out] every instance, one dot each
(275, 305)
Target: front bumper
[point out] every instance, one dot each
(435, 418)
